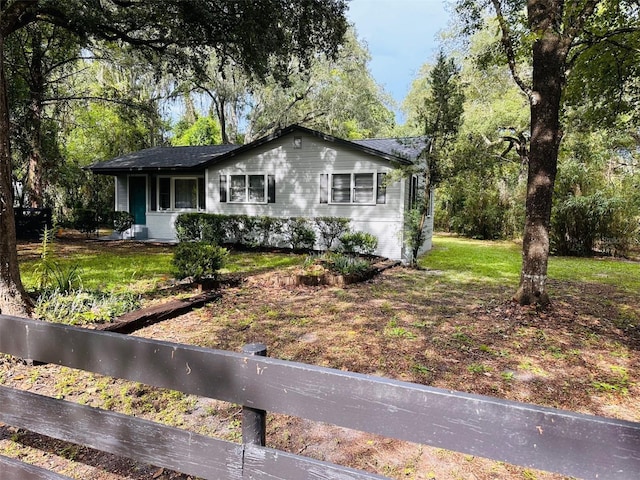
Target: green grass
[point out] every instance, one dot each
(112, 271)
(464, 260)
(256, 262)
(472, 261)
(139, 272)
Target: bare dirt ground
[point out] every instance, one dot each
(582, 355)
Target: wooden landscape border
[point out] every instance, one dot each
(560, 441)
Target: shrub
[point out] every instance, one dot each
(581, 223)
(85, 220)
(359, 242)
(198, 260)
(266, 228)
(331, 229)
(189, 227)
(122, 221)
(299, 234)
(213, 228)
(348, 265)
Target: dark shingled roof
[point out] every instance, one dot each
(163, 158)
(408, 148)
(399, 150)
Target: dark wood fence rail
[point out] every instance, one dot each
(569, 443)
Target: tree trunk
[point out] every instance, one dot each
(549, 58)
(13, 298)
(36, 86)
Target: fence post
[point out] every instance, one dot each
(254, 421)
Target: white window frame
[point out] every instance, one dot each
(172, 193)
(352, 186)
(246, 200)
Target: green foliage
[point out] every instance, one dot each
(198, 260)
(188, 227)
(335, 95)
(78, 307)
(204, 131)
(85, 220)
(122, 221)
(359, 242)
(50, 273)
(477, 209)
(414, 232)
(596, 205)
(299, 234)
(267, 229)
(331, 229)
(347, 264)
(580, 224)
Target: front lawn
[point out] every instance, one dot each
(449, 325)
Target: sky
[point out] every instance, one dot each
(401, 36)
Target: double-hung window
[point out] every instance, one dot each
(247, 188)
(366, 188)
(180, 193)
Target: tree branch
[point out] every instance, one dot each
(507, 44)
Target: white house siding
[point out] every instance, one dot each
(297, 173)
(161, 225)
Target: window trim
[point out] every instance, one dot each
(200, 183)
(352, 174)
(225, 188)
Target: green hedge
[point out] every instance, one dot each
(297, 232)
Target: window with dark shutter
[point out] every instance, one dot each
(381, 194)
(271, 188)
(223, 188)
(324, 188)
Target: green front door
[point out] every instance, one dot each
(138, 199)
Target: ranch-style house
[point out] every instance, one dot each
(294, 172)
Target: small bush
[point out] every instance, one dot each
(331, 229)
(299, 234)
(348, 265)
(122, 221)
(362, 243)
(198, 260)
(85, 220)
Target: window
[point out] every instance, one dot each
(341, 188)
(362, 188)
(243, 188)
(238, 188)
(186, 192)
(180, 193)
(164, 196)
(256, 188)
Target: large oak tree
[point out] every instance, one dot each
(551, 36)
(262, 36)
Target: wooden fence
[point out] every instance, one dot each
(543, 438)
